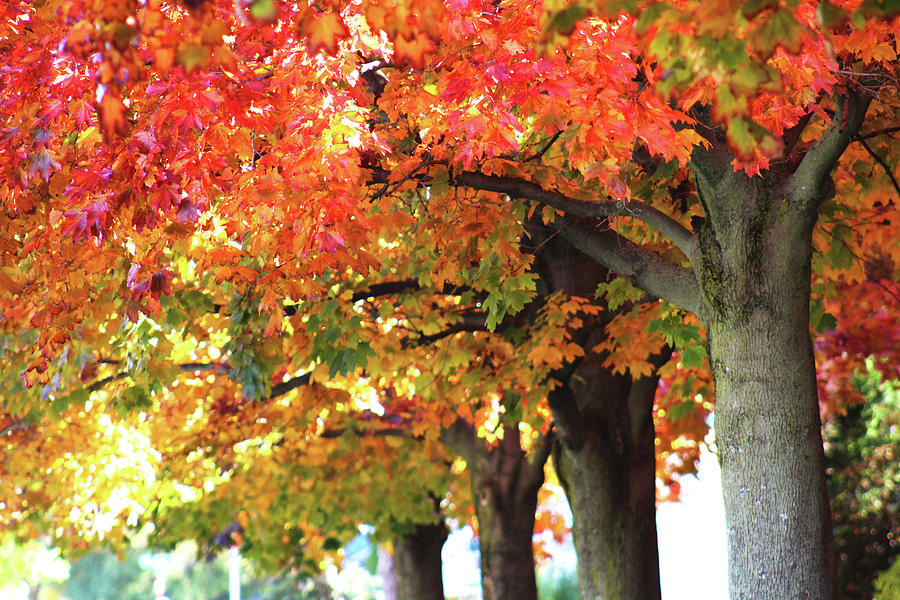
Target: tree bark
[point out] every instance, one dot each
(754, 269)
(604, 454)
(609, 476)
(417, 563)
(750, 286)
(505, 483)
(505, 487)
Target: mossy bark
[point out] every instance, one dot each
(505, 489)
(754, 256)
(609, 475)
(604, 453)
(417, 563)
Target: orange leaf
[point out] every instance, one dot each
(324, 31)
(112, 116)
(164, 59)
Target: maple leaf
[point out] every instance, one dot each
(112, 116)
(82, 115)
(42, 162)
(323, 31)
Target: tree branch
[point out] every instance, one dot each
(567, 417)
(534, 472)
(806, 183)
(540, 153)
(520, 188)
(871, 134)
(387, 288)
(460, 437)
(16, 424)
(648, 270)
(880, 161)
(284, 387)
(187, 367)
(790, 137)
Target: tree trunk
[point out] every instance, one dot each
(770, 449)
(754, 271)
(505, 483)
(608, 471)
(417, 563)
(605, 455)
(505, 488)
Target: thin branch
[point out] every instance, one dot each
(17, 424)
(187, 367)
(434, 337)
(871, 134)
(540, 153)
(880, 161)
(284, 387)
(101, 383)
(388, 288)
(330, 434)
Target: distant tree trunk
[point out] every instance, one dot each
(606, 463)
(505, 484)
(417, 563)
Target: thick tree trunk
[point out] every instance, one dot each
(610, 484)
(754, 254)
(417, 563)
(505, 483)
(770, 449)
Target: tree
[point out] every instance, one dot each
(749, 254)
(603, 410)
(314, 118)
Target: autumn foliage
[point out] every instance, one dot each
(276, 248)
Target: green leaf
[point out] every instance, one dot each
(564, 21)
(740, 136)
(264, 10)
(693, 356)
(830, 15)
(819, 320)
(780, 28)
(679, 410)
(618, 291)
(650, 15)
(440, 181)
